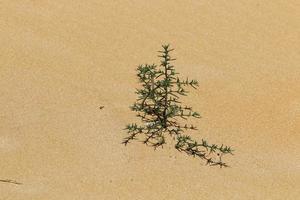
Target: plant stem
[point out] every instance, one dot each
(10, 181)
(166, 96)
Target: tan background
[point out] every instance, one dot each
(61, 60)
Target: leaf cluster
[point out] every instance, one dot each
(202, 150)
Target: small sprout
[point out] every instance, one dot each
(159, 107)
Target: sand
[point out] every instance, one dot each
(61, 60)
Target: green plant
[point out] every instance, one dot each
(161, 111)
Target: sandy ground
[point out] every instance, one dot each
(61, 60)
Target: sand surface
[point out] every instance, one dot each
(61, 60)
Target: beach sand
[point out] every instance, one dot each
(61, 60)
